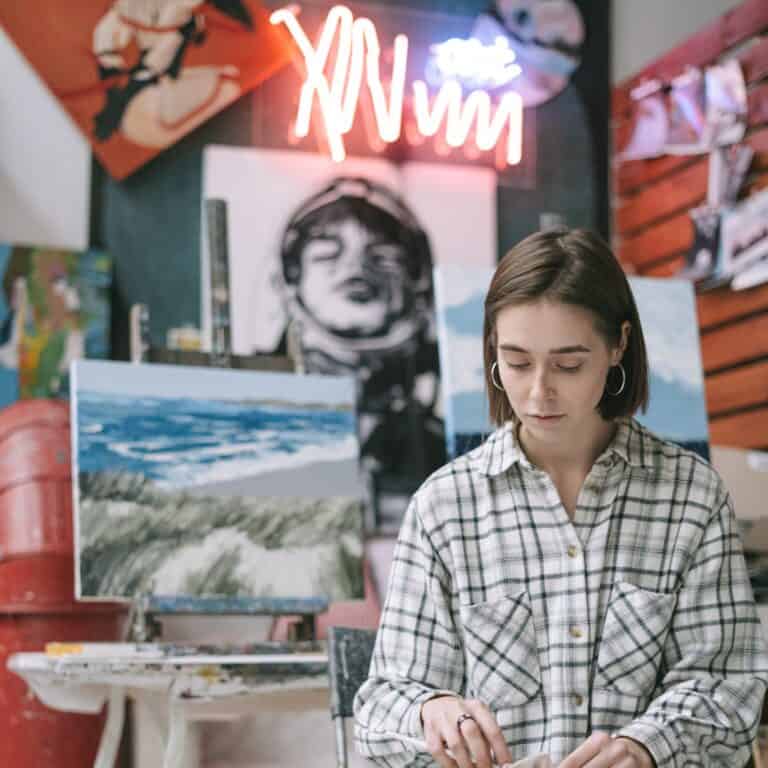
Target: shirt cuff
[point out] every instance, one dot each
(414, 725)
(651, 735)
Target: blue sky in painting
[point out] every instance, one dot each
(459, 296)
(178, 381)
(668, 315)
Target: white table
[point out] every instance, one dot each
(180, 685)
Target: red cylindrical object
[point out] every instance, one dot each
(37, 598)
(34, 736)
(35, 480)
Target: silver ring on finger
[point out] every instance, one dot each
(461, 718)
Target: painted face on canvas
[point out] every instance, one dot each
(553, 365)
(353, 280)
(54, 293)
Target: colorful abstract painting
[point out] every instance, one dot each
(201, 482)
(54, 308)
(677, 409)
(137, 75)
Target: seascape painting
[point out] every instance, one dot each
(459, 296)
(200, 482)
(677, 408)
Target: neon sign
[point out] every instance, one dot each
(357, 58)
(472, 63)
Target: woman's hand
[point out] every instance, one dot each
(601, 751)
(467, 728)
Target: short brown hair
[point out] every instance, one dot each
(572, 267)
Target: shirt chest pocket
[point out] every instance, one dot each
(502, 655)
(632, 644)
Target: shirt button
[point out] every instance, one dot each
(573, 551)
(578, 699)
(576, 632)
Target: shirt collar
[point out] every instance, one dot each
(502, 449)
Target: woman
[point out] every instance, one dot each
(576, 585)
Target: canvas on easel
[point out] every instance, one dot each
(203, 482)
(667, 309)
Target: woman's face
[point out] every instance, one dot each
(353, 281)
(553, 365)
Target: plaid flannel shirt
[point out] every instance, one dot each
(636, 617)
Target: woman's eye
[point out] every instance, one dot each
(570, 368)
(518, 366)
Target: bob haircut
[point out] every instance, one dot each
(573, 267)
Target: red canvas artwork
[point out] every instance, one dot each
(137, 75)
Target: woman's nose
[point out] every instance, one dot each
(542, 386)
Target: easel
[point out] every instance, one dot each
(180, 684)
(144, 625)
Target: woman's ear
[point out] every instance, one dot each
(626, 329)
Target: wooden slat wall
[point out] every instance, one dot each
(652, 230)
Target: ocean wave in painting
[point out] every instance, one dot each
(180, 443)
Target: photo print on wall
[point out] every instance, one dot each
(202, 482)
(677, 408)
(137, 75)
(54, 308)
(344, 252)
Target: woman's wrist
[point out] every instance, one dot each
(639, 751)
(432, 698)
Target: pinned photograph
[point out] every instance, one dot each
(701, 258)
(744, 239)
(649, 129)
(687, 114)
(726, 103)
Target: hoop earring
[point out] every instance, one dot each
(623, 382)
(495, 367)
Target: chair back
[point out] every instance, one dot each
(349, 657)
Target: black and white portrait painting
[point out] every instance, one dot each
(342, 255)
